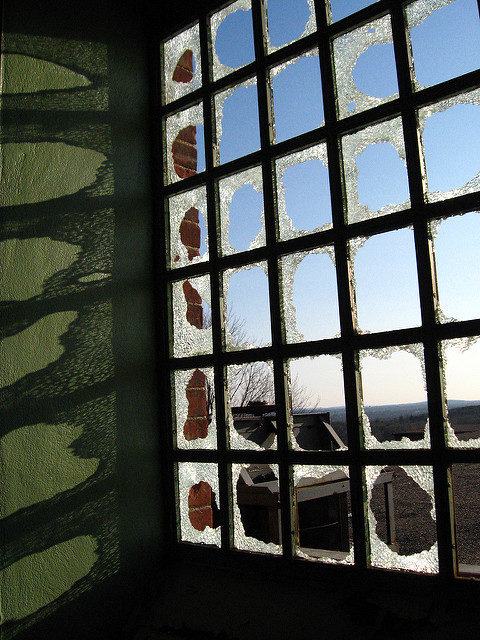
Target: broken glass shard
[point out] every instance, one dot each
(241, 211)
(401, 516)
(195, 409)
(182, 64)
(461, 361)
(251, 406)
(248, 308)
(368, 156)
(386, 282)
(310, 295)
(188, 227)
(192, 326)
(236, 110)
(456, 25)
(299, 173)
(198, 493)
(316, 403)
(185, 144)
(450, 138)
(394, 397)
(256, 508)
(297, 77)
(365, 67)
(466, 493)
(233, 24)
(323, 518)
(289, 21)
(457, 261)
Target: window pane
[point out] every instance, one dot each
(232, 38)
(343, 8)
(289, 21)
(365, 67)
(456, 26)
(241, 211)
(370, 156)
(394, 397)
(461, 361)
(297, 77)
(248, 308)
(386, 282)
(192, 324)
(185, 144)
(466, 495)
(402, 518)
(310, 295)
(256, 508)
(451, 145)
(198, 502)
(238, 132)
(323, 518)
(195, 409)
(182, 62)
(188, 227)
(303, 191)
(317, 403)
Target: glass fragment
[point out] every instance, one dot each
(195, 409)
(188, 228)
(185, 144)
(198, 492)
(229, 26)
(182, 64)
(288, 22)
(192, 326)
(466, 494)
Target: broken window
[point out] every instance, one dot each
(321, 198)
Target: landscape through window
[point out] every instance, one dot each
(321, 174)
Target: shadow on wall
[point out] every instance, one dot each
(58, 501)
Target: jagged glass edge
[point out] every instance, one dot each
(347, 49)
(227, 188)
(470, 97)
(187, 339)
(178, 206)
(219, 103)
(182, 379)
(390, 131)
(381, 554)
(190, 473)
(320, 471)
(192, 116)
(219, 69)
(240, 539)
(310, 27)
(173, 50)
(285, 223)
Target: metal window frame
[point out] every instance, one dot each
(440, 457)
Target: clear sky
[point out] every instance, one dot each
(385, 268)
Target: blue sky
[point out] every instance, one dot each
(385, 268)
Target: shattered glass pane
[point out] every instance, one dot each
(457, 261)
(401, 516)
(289, 21)
(310, 300)
(461, 361)
(323, 518)
(232, 24)
(195, 409)
(317, 403)
(450, 138)
(185, 144)
(368, 156)
(365, 67)
(466, 495)
(256, 508)
(182, 64)
(299, 173)
(342, 8)
(251, 406)
(248, 308)
(236, 112)
(386, 285)
(241, 211)
(188, 227)
(455, 25)
(297, 77)
(394, 397)
(192, 321)
(198, 493)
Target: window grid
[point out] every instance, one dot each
(430, 333)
